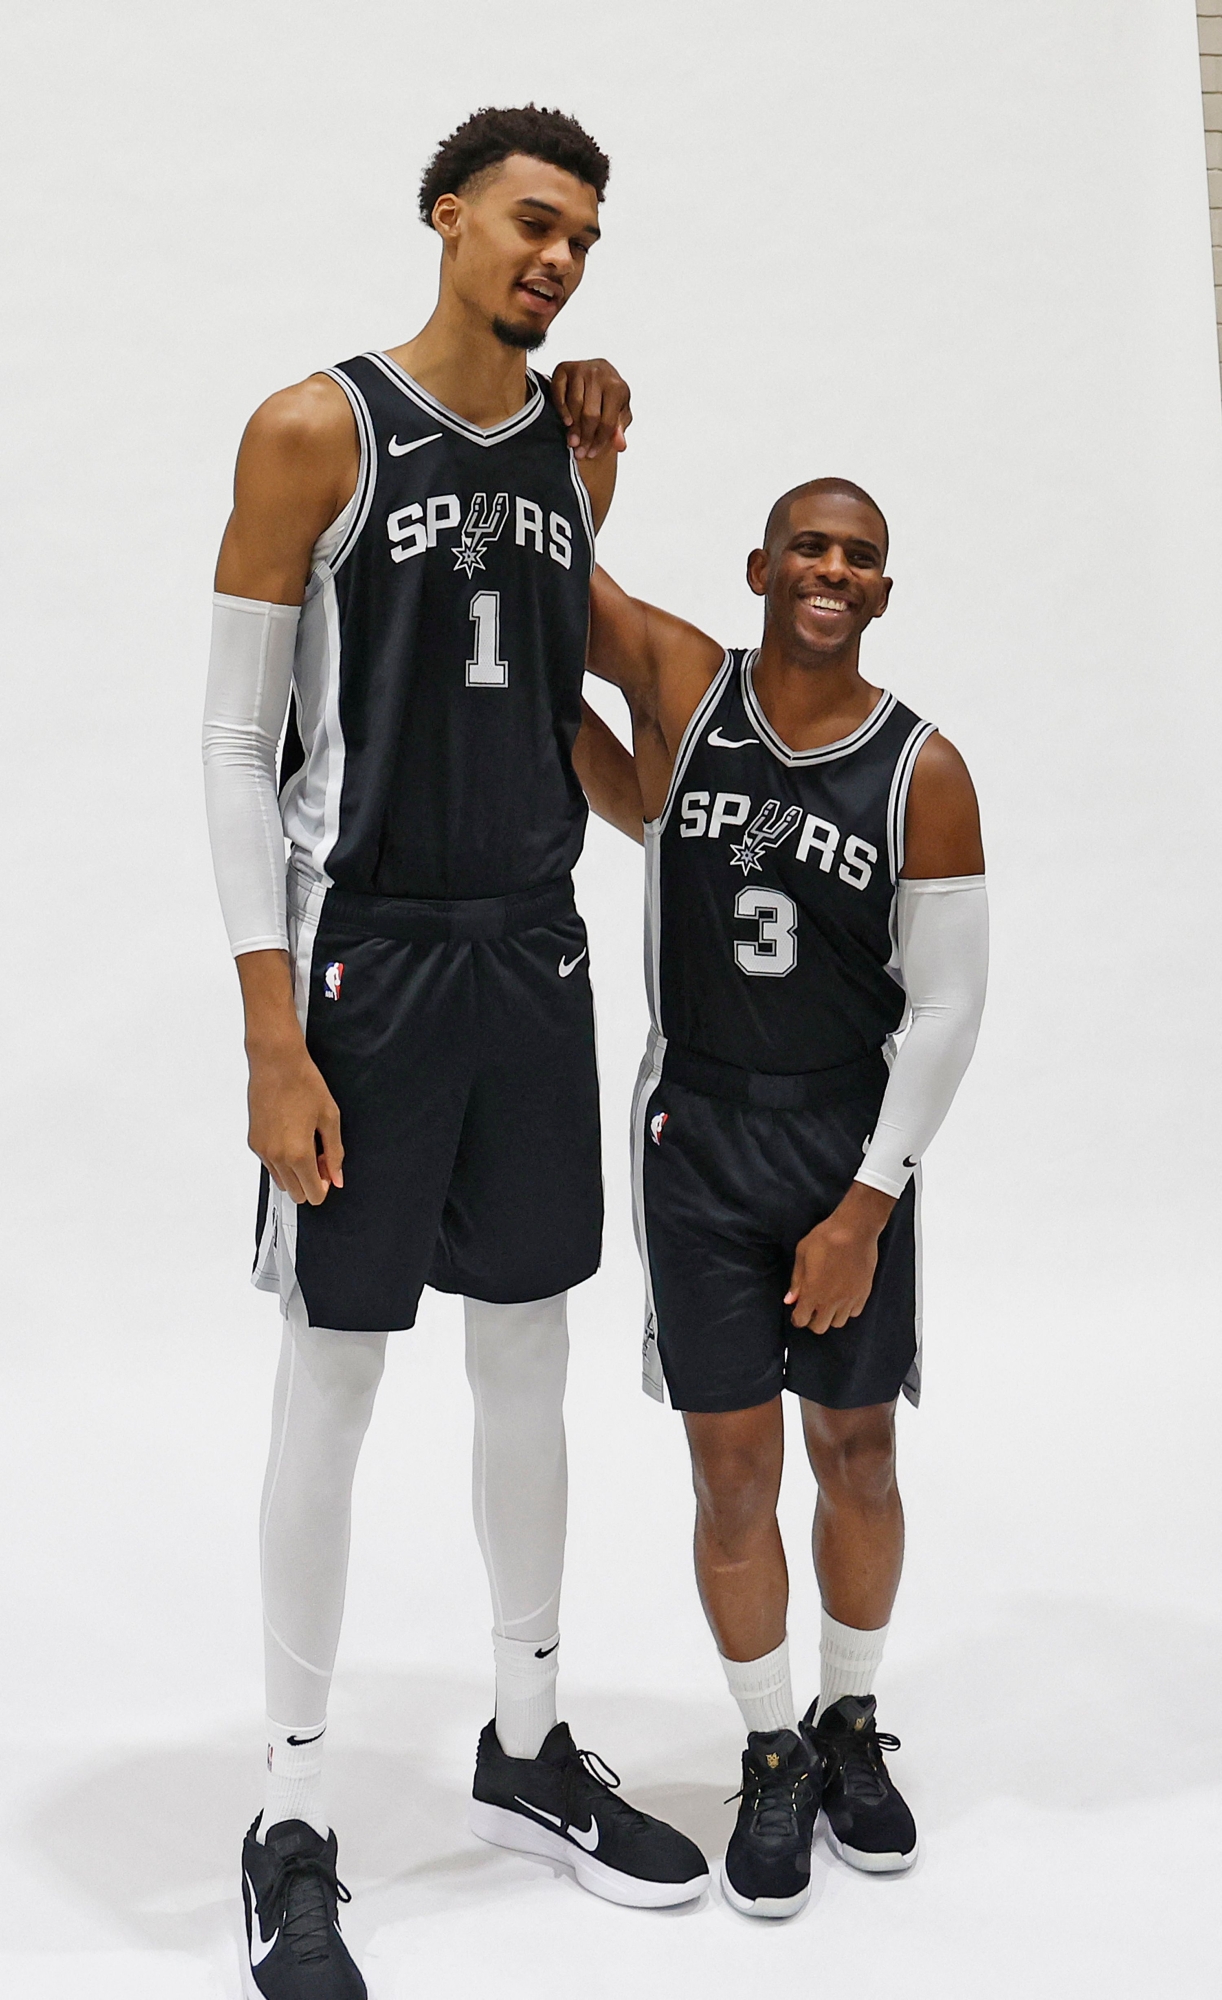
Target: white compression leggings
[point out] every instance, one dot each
(517, 1359)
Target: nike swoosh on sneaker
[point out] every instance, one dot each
(720, 742)
(258, 1949)
(568, 965)
(398, 450)
(588, 1839)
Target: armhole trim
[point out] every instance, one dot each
(366, 478)
(704, 707)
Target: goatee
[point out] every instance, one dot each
(525, 337)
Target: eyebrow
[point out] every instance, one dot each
(850, 541)
(549, 208)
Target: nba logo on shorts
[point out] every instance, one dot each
(332, 977)
(655, 1125)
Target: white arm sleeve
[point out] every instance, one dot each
(943, 935)
(250, 673)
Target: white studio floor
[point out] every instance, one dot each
(1103, 1889)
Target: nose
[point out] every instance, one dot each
(558, 260)
(832, 564)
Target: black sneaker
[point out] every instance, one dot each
(766, 1870)
(293, 1947)
(561, 1804)
(868, 1823)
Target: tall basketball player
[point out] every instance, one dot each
(409, 559)
(815, 875)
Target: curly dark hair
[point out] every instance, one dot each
(490, 136)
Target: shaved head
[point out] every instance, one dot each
(778, 519)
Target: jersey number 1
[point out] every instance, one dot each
(487, 669)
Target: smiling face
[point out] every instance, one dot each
(516, 241)
(822, 571)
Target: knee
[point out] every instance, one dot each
(736, 1493)
(858, 1465)
(344, 1370)
(518, 1352)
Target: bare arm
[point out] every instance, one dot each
(607, 775)
(296, 470)
(663, 667)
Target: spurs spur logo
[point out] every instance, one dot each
(481, 528)
(768, 829)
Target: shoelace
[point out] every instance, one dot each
(305, 1882)
(774, 1803)
(588, 1767)
(861, 1763)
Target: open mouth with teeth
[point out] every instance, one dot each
(826, 604)
(539, 293)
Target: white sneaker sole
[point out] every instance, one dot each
(502, 1828)
(869, 1864)
(763, 1906)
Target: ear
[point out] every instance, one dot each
(447, 216)
(757, 572)
(885, 599)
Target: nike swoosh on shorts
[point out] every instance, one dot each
(398, 450)
(568, 965)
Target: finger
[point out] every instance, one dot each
(560, 384)
(570, 410)
(590, 419)
(330, 1148)
(274, 1175)
(286, 1180)
(620, 441)
(313, 1186)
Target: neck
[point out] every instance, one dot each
(458, 358)
(811, 699)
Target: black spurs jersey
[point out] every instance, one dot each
(771, 880)
(440, 653)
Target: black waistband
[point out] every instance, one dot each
(803, 1092)
(438, 921)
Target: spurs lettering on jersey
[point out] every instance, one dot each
(703, 816)
(414, 529)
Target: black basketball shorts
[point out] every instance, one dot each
(732, 1169)
(458, 1042)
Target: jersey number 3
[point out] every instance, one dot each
(487, 669)
(774, 952)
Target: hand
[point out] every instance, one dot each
(833, 1267)
(596, 405)
(294, 1124)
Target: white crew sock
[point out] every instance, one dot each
(848, 1660)
(762, 1690)
(293, 1788)
(525, 1692)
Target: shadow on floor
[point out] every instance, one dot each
(1064, 1705)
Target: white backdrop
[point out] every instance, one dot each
(959, 253)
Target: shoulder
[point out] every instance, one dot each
(310, 420)
(942, 822)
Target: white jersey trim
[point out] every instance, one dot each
(495, 434)
(827, 752)
(583, 502)
(708, 700)
(358, 507)
(897, 801)
(648, 1077)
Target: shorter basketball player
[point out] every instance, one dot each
(814, 878)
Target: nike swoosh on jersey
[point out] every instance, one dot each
(720, 742)
(258, 1949)
(398, 450)
(568, 965)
